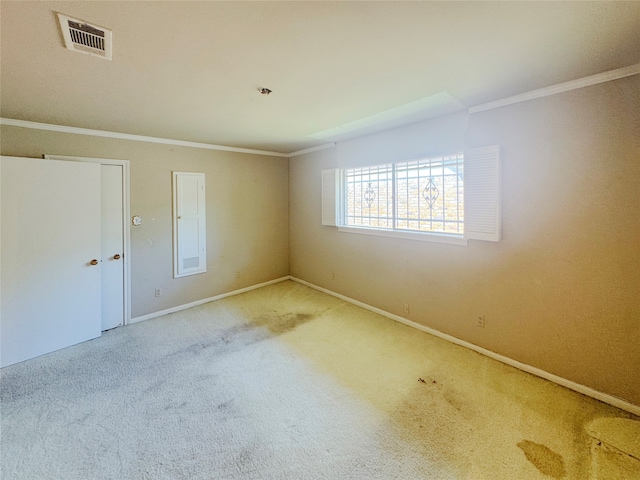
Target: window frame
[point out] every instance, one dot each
(394, 231)
(482, 186)
(407, 234)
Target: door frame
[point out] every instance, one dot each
(126, 214)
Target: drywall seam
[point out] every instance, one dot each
(583, 389)
(185, 306)
(127, 136)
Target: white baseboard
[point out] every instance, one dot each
(178, 308)
(583, 389)
(588, 391)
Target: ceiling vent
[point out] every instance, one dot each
(84, 37)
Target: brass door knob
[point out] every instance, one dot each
(116, 256)
(94, 262)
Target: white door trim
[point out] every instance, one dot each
(126, 214)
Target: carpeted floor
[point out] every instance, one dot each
(285, 382)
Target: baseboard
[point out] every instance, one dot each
(588, 391)
(178, 308)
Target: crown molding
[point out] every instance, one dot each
(523, 97)
(560, 88)
(312, 149)
(127, 136)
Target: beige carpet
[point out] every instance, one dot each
(285, 382)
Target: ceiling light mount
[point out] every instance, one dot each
(264, 91)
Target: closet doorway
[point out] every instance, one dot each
(56, 288)
(114, 261)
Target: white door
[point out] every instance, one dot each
(50, 255)
(112, 246)
(115, 233)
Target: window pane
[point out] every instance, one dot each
(369, 200)
(430, 195)
(425, 195)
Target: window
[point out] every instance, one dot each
(448, 198)
(424, 195)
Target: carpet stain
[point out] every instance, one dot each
(156, 386)
(175, 407)
(449, 395)
(259, 328)
(543, 458)
(279, 323)
(197, 347)
(434, 408)
(422, 380)
(240, 336)
(224, 405)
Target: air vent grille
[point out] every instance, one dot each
(86, 35)
(83, 37)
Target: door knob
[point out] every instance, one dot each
(116, 256)
(94, 262)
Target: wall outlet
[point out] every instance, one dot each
(333, 275)
(158, 292)
(480, 321)
(237, 274)
(406, 309)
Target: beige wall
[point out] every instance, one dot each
(247, 212)
(561, 292)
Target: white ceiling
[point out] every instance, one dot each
(191, 70)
